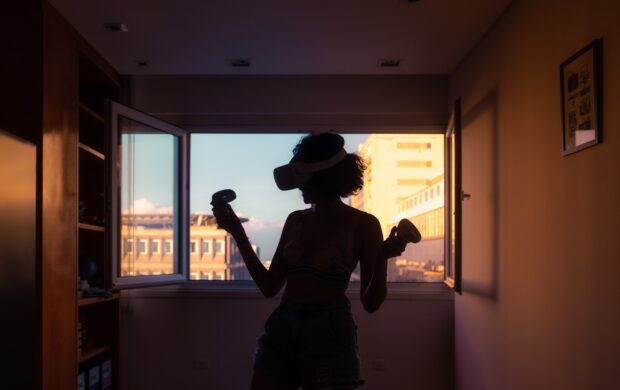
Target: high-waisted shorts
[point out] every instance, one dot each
(313, 345)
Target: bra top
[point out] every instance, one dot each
(333, 260)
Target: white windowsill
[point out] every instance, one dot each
(247, 290)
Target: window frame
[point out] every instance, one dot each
(453, 196)
(180, 242)
(400, 289)
(397, 290)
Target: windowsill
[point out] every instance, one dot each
(248, 290)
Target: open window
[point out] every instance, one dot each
(149, 199)
(453, 199)
(159, 239)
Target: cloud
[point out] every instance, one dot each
(145, 206)
(254, 224)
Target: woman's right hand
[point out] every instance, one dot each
(393, 245)
(228, 220)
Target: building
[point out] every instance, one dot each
(404, 179)
(147, 248)
(423, 261)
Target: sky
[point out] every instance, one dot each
(241, 162)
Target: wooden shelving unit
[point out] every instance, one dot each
(93, 300)
(88, 115)
(88, 149)
(98, 317)
(90, 353)
(94, 228)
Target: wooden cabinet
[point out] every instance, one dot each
(74, 207)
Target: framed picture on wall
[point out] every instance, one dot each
(580, 87)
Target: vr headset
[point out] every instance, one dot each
(295, 174)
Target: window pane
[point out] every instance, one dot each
(394, 191)
(148, 199)
(244, 163)
(402, 170)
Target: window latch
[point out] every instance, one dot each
(465, 196)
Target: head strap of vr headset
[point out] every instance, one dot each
(320, 165)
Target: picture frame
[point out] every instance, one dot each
(581, 103)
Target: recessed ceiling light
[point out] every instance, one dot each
(240, 62)
(389, 62)
(117, 27)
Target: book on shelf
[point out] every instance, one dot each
(81, 381)
(93, 378)
(106, 375)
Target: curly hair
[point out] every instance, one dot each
(343, 179)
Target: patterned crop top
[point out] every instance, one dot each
(334, 258)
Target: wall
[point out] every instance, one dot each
(167, 336)
(297, 102)
(20, 115)
(541, 307)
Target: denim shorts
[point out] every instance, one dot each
(313, 345)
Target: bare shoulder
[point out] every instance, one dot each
(295, 217)
(366, 222)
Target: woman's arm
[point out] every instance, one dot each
(373, 263)
(269, 281)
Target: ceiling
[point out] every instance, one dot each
(283, 36)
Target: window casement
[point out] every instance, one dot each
(141, 212)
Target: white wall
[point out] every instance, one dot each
(407, 344)
(541, 302)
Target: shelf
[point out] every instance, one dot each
(93, 300)
(90, 353)
(87, 226)
(92, 151)
(91, 115)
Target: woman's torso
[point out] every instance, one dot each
(321, 251)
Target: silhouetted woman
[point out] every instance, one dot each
(310, 339)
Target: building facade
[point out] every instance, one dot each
(405, 179)
(148, 248)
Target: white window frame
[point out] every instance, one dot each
(180, 274)
(398, 290)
